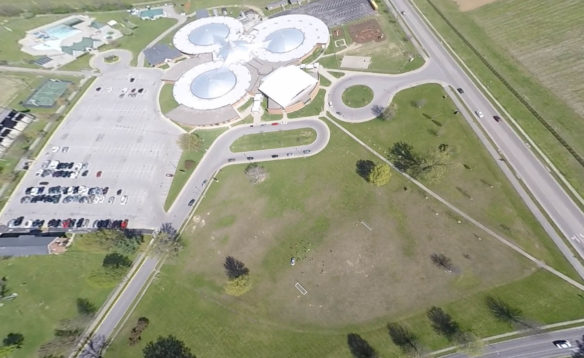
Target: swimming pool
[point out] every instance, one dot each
(61, 32)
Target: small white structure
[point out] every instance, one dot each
(287, 84)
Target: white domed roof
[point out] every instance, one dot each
(209, 34)
(284, 40)
(214, 83)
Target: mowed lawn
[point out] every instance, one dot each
(269, 140)
(166, 99)
(357, 96)
(357, 280)
(472, 181)
(47, 288)
(535, 46)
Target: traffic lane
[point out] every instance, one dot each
(551, 196)
(533, 346)
(219, 153)
(123, 303)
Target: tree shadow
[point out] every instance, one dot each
(364, 168)
(377, 111)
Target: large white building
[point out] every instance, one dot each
(242, 58)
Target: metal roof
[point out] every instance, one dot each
(214, 83)
(284, 40)
(209, 34)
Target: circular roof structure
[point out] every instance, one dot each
(284, 40)
(212, 85)
(289, 37)
(207, 34)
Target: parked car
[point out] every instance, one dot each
(191, 202)
(98, 174)
(460, 90)
(124, 200)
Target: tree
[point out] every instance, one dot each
(502, 311)
(404, 158)
(85, 307)
(167, 240)
(402, 337)
(95, 347)
(255, 173)
(238, 286)
(190, 142)
(115, 260)
(165, 347)
(13, 339)
(364, 168)
(234, 268)
(4, 287)
(442, 323)
(419, 103)
(388, 113)
(359, 347)
(442, 261)
(380, 174)
(579, 353)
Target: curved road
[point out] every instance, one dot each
(216, 158)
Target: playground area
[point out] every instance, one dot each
(47, 94)
(367, 31)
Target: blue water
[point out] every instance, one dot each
(61, 31)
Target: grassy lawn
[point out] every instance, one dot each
(166, 99)
(281, 139)
(312, 109)
(267, 117)
(357, 96)
(48, 287)
(543, 33)
(182, 174)
(246, 105)
(482, 182)
(311, 209)
(324, 82)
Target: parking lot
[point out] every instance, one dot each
(334, 12)
(112, 158)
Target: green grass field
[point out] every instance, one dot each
(182, 174)
(271, 140)
(357, 96)
(48, 287)
(426, 128)
(530, 44)
(310, 209)
(166, 99)
(312, 109)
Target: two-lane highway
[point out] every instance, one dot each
(554, 200)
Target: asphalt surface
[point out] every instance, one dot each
(533, 346)
(123, 138)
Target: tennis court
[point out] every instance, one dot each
(47, 93)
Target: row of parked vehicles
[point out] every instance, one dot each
(58, 169)
(70, 223)
(72, 194)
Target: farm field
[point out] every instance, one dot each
(470, 176)
(311, 209)
(533, 45)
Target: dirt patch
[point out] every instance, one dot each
(468, 5)
(367, 31)
(10, 88)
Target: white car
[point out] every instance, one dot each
(562, 344)
(124, 200)
(479, 114)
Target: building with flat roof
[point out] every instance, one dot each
(25, 245)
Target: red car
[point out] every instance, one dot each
(98, 174)
(124, 224)
(275, 123)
